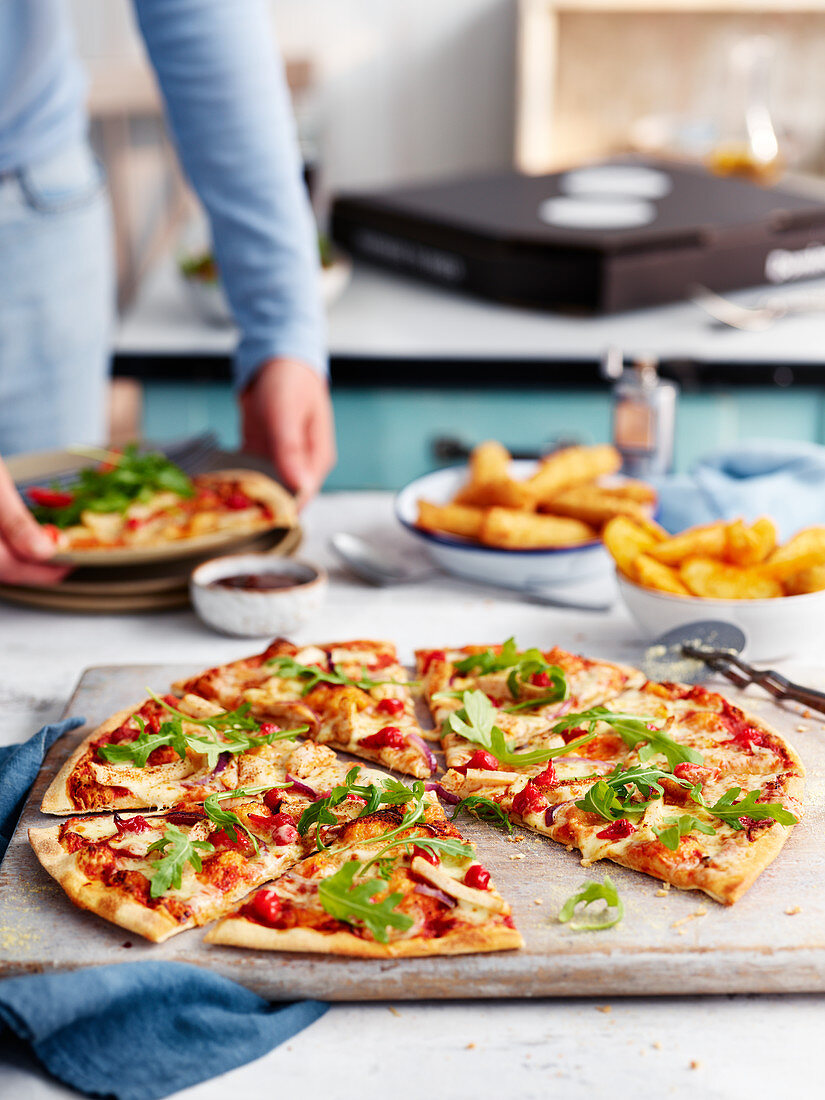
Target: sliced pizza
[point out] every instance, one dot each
(158, 874)
(688, 789)
(353, 696)
(398, 882)
(530, 689)
(163, 752)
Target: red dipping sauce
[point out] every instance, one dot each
(258, 582)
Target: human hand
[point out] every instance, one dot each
(24, 545)
(287, 417)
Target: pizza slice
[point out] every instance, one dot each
(354, 696)
(531, 689)
(398, 882)
(164, 752)
(701, 798)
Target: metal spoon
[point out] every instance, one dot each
(684, 653)
(376, 567)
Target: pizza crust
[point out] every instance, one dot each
(96, 897)
(240, 932)
(258, 487)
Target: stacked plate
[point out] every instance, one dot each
(133, 579)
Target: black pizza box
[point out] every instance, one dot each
(519, 238)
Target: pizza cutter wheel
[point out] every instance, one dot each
(684, 653)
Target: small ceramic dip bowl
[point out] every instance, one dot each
(253, 595)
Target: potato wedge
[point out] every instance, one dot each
(489, 461)
(809, 580)
(573, 466)
(804, 551)
(515, 530)
(750, 545)
(625, 540)
(654, 574)
(502, 493)
(715, 580)
(706, 542)
(455, 519)
(593, 505)
(639, 491)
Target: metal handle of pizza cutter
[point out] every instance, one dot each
(742, 674)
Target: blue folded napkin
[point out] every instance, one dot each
(134, 1031)
(779, 478)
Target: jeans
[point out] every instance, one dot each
(56, 303)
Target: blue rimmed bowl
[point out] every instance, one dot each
(490, 564)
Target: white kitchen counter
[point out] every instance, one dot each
(723, 1048)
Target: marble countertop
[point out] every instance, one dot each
(721, 1048)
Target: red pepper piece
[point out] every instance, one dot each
(546, 778)
(237, 501)
(280, 827)
(478, 877)
(423, 853)
(266, 907)
(273, 799)
(617, 830)
(393, 707)
(481, 759)
(389, 737)
(136, 824)
(49, 498)
(530, 800)
(222, 839)
(268, 728)
(433, 655)
(540, 679)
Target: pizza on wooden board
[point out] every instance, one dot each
(381, 889)
(354, 696)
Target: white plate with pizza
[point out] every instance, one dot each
(135, 507)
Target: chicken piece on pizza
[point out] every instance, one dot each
(394, 883)
(162, 753)
(354, 696)
(657, 792)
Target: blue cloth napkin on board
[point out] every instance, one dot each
(779, 478)
(133, 1031)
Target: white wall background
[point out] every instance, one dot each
(408, 89)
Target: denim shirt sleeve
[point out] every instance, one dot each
(229, 110)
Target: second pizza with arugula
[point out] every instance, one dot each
(253, 820)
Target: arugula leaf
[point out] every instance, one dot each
(230, 821)
(353, 902)
(139, 750)
(633, 730)
(290, 669)
(485, 810)
(531, 704)
(475, 722)
(181, 850)
(125, 478)
(677, 827)
(730, 811)
(392, 793)
(522, 666)
(612, 796)
(601, 799)
(596, 920)
(435, 845)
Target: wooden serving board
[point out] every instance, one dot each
(668, 943)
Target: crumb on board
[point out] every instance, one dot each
(471, 1046)
(518, 855)
(792, 910)
(663, 892)
(801, 729)
(806, 713)
(538, 901)
(604, 1008)
(656, 1044)
(393, 1010)
(702, 911)
(695, 1063)
(516, 838)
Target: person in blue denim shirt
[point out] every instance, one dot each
(229, 113)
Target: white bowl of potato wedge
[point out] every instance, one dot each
(491, 521)
(730, 571)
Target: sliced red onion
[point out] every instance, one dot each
(551, 812)
(184, 817)
(223, 760)
(434, 892)
(427, 752)
(442, 792)
(563, 708)
(304, 788)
